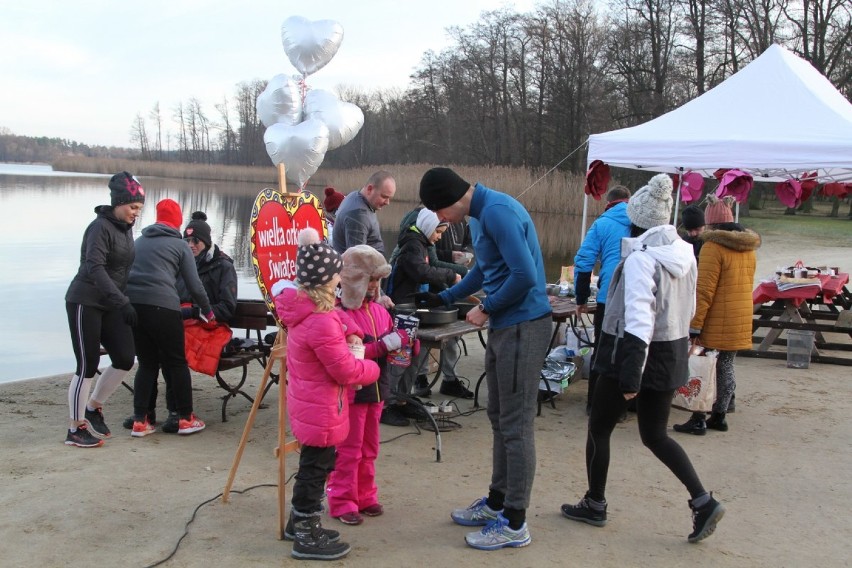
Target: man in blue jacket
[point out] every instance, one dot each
(510, 269)
(602, 243)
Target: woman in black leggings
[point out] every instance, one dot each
(643, 353)
(99, 312)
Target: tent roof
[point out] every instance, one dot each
(776, 118)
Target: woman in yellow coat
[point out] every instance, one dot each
(724, 310)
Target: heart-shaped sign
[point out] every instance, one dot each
(310, 45)
(301, 148)
(280, 102)
(275, 224)
(343, 119)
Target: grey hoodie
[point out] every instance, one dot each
(162, 255)
(645, 340)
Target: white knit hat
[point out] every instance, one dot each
(651, 205)
(427, 222)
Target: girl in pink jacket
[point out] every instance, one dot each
(321, 370)
(352, 490)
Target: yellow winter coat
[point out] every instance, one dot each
(724, 309)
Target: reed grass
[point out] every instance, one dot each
(557, 192)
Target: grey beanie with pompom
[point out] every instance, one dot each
(651, 205)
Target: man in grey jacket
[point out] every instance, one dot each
(356, 222)
(161, 256)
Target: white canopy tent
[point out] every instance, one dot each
(776, 119)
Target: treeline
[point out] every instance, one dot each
(15, 148)
(526, 89)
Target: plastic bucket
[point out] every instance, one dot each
(800, 343)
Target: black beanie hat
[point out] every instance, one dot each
(693, 217)
(124, 188)
(441, 187)
(199, 229)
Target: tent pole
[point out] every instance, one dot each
(737, 209)
(677, 199)
(585, 210)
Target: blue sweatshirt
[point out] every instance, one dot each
(509, 265)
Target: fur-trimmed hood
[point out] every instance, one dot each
(735, 238)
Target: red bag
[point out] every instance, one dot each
(203, 344)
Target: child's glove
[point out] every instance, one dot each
(209, 317)
(415, 348)
(394, 340)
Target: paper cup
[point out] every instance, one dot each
(356, 349)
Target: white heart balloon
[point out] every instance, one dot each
(343, 119)
(310, 45)
(301, 148)
(280, 101)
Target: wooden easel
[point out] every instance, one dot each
(277, 354)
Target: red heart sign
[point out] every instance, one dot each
(275, 224)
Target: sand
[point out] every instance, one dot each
(782, 472)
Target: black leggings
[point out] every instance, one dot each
(652, 413)
(92, 327)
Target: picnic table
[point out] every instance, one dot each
(823, 308)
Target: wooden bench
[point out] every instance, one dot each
(252, 316)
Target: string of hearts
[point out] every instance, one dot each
(302, 123)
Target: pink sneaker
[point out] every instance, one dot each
(190, 426)
(141, 429)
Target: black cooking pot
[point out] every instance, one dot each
(430, 316)
(464, 308)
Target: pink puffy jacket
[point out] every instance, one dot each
(320, 368)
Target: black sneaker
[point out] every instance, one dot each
(82, 438)
(704, 519)
(694, 425)
(455, 389)
(421, 387)
(95, 423)
(392, 416)
(128, 422)
(172, 423)
(584, 513)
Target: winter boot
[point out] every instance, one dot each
(717, 422)
(290, 532)
(695, 425)
(311, 542)
(704, 519)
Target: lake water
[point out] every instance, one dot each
(42, 218)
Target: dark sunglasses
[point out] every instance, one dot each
(192, 240)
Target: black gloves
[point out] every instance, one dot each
(128, 312)
(428, 300)
(190, 312)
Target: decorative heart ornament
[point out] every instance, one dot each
(343, 120)
(275, 224)
(280, 102)
(310, 45)
(301, 148)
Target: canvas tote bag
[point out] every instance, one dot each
(699, 392)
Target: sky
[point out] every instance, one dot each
(83, 69)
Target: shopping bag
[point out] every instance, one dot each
(699, 392)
